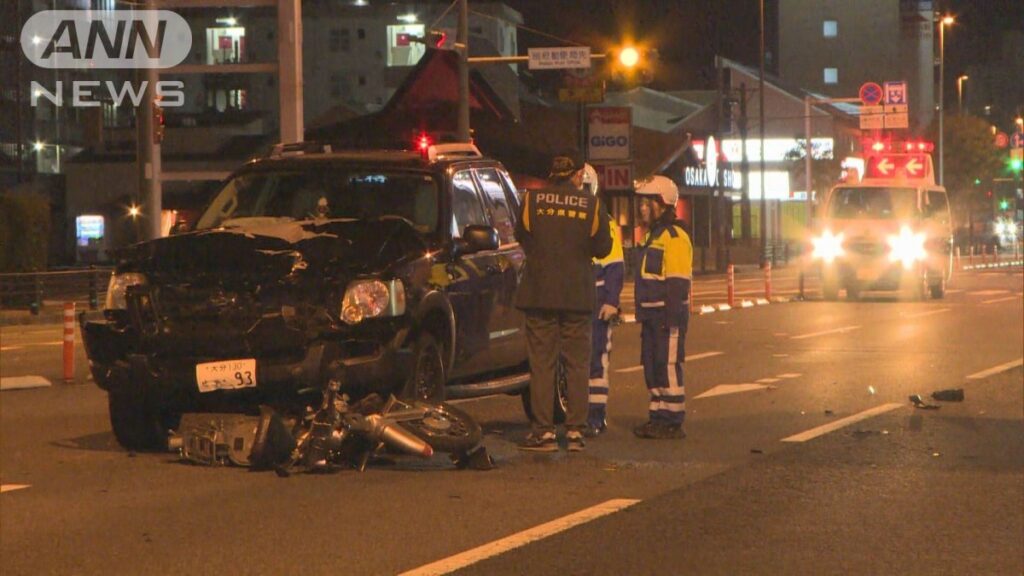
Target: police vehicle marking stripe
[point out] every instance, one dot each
(497, 547)
(833, 426)
(690, 358)
(826, 332)
(997, 369)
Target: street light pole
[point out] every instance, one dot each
(960, 93)
(945, 21)
(760, 111)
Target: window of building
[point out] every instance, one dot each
(225, 45)
(340, 40)
(402, 49)
(831, 75)
(830, 29)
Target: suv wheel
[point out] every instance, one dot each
(136, 424)
(561, 404)
(427, 382)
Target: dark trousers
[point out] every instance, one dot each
(548, 334)
(600, 356)
(662, 356)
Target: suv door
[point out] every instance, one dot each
(508, 342)
(475, 287)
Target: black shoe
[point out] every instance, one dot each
(594, 431)
(544, 442)
(574, 441)
(659, 431)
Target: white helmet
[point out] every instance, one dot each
(660, 186)
(590, 179)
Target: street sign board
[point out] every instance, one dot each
(896, 92)
(870, 93)
(584, 94)
(559, 57)
(910, 166)
(610, 133)
(872, 121)
(1017, 140)
(897, 120)
(615, 177)
(896, 108)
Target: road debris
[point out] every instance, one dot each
(949, 395)
(920, 403)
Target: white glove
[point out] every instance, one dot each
(606, 312)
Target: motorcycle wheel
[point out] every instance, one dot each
(445, 428)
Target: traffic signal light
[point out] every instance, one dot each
(1004, 204)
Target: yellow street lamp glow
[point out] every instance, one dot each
(133, 211)
(38, 146)
(629, 57)
(948, 20)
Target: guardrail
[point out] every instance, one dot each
(28, 290)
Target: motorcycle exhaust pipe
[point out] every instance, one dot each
(397, 437)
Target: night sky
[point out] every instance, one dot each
(688, 33)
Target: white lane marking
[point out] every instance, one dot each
(12, 487)
(768, 380)
(954, 290)
(23, 382)
(8, 348)
(997, 369)
(54, 343)
(469, 557)
(723, 389)
(789, 375)
(689, 358)
(997, 300)
(824, 332)
(927, 313)
(833, 426)
(986, 292)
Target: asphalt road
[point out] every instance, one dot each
(820, 466)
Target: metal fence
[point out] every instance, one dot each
(28, 290)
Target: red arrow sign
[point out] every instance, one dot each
(885, 166)
(914, 166)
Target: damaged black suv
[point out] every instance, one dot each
(400, 266)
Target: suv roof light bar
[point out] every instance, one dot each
(299, 148)
(454, 150)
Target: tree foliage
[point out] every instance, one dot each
(970, 153)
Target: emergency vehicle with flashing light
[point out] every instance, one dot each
(890, 230)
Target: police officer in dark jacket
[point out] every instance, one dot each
(561, 229)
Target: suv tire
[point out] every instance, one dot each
(136, 425)
(427, 381)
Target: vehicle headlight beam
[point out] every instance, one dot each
(907, 247)
(828, 246)
(372, 299)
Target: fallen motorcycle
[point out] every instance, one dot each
(340, 433)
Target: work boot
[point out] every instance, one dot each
(574, 441)
(659, 431)
(595, 430)
(540, 442)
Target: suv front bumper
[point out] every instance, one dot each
(118, 365)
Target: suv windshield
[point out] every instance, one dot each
(872, 203)
(354, 194)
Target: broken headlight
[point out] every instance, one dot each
(372, 299)
(119, 284)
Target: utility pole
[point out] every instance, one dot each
(744, 168)
(462, 49)
(149, 148)
(760, 111)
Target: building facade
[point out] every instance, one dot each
(834, 46)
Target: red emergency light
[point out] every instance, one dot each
(423, 143)
(915, 146)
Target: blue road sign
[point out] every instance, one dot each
(896, 92)
(1017, 140)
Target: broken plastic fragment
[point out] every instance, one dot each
(871, 390)
(949, 395)
(920, 403)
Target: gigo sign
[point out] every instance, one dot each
(609, 131)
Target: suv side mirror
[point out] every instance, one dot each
(477, 238)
